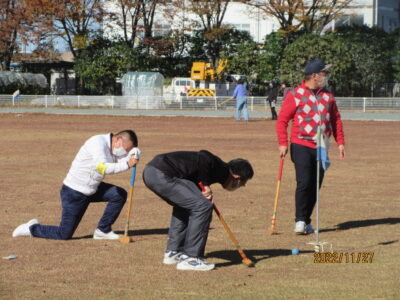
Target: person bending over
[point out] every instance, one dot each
(175, 178)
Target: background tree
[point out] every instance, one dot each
(331, 49)
(370, 51)
(17, 24)
(271, 54)
(359, 55)
(305, 15)
(395, 36)
(75, 21)
(100, 64)
(127, 17)
(241, 51)
(210, 15)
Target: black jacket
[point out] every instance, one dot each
(194, 166)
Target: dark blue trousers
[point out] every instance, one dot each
(74, 205)
(305, 162)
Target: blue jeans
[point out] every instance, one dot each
(241, 105)
(74, 206)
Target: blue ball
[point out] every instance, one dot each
(295, 251)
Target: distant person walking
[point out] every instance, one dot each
(240, 94)
(272, 97)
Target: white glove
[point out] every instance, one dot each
(136, 153)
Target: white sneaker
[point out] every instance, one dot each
(23, 229)
(194, 264)
(171, 257)
(300, 227)
(100, 235)
(309, 229)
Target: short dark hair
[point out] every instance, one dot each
(307, 77)
(241, 167)
(131, 135)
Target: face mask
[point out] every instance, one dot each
(324, 82)
(120, 151)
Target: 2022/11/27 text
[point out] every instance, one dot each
(343, 257)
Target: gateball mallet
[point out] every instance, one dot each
(278, 187)
(125, 238)
(248, 262)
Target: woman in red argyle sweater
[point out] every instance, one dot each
(310, 105)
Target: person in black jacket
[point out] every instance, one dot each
(175, 177)
(272, 97)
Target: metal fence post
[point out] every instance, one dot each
(45, 101)
(112, 102)
(79, 99)
(252, 104)
(364, 104)
(215, 102)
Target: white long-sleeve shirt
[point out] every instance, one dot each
(93, 161)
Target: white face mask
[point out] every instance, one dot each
(120, 151)
(324, 82)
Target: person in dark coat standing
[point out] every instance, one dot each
(272, 97)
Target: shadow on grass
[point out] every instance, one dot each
(363, 223)
(132, 233)
(388, 242)
(233, 257)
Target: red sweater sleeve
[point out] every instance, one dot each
(337, 125)
(286, 114)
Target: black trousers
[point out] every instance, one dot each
(191, 214)
(305, 162)
(272, 105)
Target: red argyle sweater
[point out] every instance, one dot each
(308, 110)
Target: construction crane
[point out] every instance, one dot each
(204, 73)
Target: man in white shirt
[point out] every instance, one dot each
(99, 156)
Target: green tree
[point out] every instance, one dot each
(100, 64)
(370, 51)
(360, 57)
(396, 54)
(330, 48)
(270, 57)
(243, 59)
(230, 40)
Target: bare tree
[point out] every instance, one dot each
(16, 25)
(210, 15)
(130, 13)
(75, 21)
(309, 15)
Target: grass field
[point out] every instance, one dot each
(359, 213)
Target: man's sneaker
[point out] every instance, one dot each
(100, 235)
(171, 257)
(23, 229)
(194, 264)
(300, 227)
(309, 229)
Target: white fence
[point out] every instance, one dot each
(184, 103)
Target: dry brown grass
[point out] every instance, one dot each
(359, 213)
